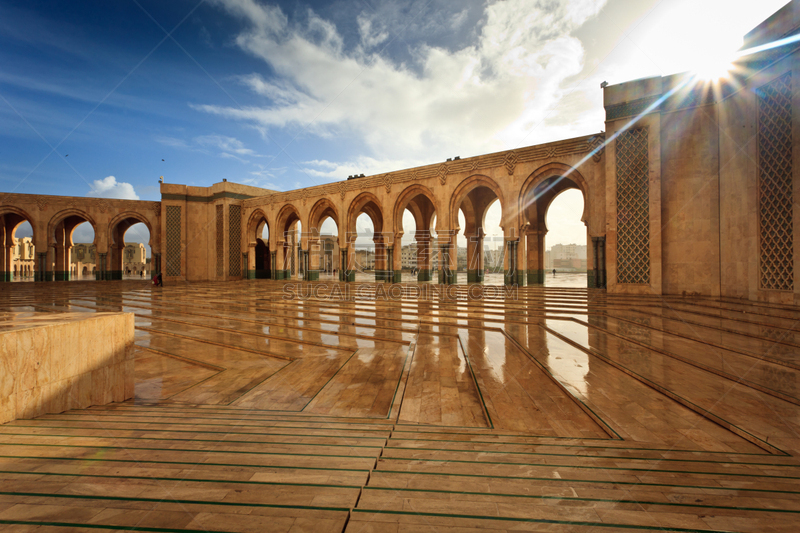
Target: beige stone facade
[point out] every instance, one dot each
(690, 189)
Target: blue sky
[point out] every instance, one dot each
(100, 98)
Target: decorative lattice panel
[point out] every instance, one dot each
(220, 242)
(173, 244)
(633, 207)
(775, 184)
(235, 240)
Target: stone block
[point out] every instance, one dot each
(50, 363)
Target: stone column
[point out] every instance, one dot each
(8, 263)
(350, 273)
(475, 269)
(314, 251)
(41, 267)
(513, 275)
(396, 253)
(424, 255)
(380, 259)
(273, 265)
(601, 250)
(60, 271)
(251, 262)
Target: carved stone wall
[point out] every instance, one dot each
(775, 236)
(173, 244)
(633, 207)
(235, 240)
(220, 242)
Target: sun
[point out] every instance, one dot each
(713, 67)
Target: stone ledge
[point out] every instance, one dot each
(53, 362)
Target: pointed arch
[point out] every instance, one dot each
(551, 180)
(409, 199)
(466, 187)
(368, 203)
(62, 216)
(130, 218)
(255, 223)
(321, 210)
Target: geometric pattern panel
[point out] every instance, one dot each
(775, 236)
(220, 242)
(173, 244)
(235, 240)
(633, 207)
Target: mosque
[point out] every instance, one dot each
(283, 379)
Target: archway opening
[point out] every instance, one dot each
(18, 253)
(413, 256)
(287, 237)
(364, 248)
(82, 249)
(128, 251)
(470, 252)
(565, 242)
(263, 258)
(329, 253)
(136, 256)
(493, 244)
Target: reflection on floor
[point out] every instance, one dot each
(262, 406)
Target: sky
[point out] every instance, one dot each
(101, 98)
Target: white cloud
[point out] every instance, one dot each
(369, 37)
(228, 145)
(482, 97)
(109, 187)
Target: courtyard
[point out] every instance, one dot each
(260, 408)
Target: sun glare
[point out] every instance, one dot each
(713, 67)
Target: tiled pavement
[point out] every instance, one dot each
(373, 408)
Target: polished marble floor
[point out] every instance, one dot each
(264, 406)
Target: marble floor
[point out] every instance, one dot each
(264, 406)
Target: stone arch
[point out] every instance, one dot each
(407, 200)
(466, 187)
(255, 226)
(127, 217)
(259, 263)
(65, 215)
(321, 210)
(557, 172)
(368, 203)
(287, 259)
(20, 216)
(287, 216)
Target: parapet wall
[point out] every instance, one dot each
(50, 363)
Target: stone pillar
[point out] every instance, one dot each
(424, 255)
(61, 271)
(102, 272)
(273, 265)
(448, 260)
(513, 274)
(350, 262)
(40, 274)
(396, 253)
(250, 265)
(535, 255)
(8, 264)
(314, 252)
(475, 268)
(601, 251)
(380, 259)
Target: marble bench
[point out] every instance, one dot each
(53, 362)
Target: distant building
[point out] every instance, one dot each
(566, 257)
(22, 258)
